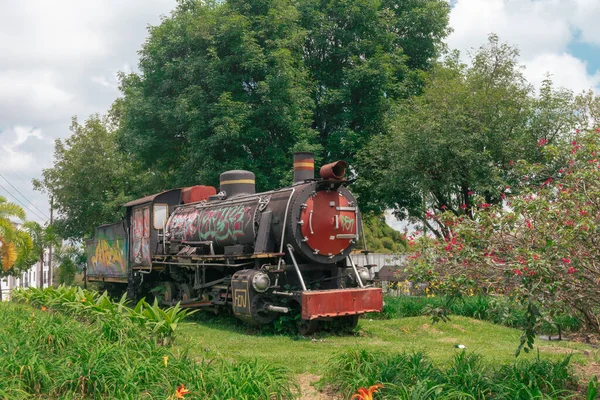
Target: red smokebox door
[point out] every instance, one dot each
(329, 223)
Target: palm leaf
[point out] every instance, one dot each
(8, 254)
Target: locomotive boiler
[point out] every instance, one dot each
(258, 255)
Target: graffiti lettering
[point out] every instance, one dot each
(108, 258)
(140, 225)
(182, 224)
(223, 223)
(347, 223)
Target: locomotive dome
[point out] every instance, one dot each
(237, 182)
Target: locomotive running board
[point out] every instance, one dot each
(340, 302)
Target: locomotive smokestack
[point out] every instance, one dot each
(335, 170)
(237, 182)
(304, 166)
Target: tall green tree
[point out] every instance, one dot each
(69, 260)
(15, 244)
(461, 137)
(90, 180)
(242, 83)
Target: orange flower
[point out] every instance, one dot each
(181, 392)
(366, 394)
(44, 308)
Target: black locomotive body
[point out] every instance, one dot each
(256, 254)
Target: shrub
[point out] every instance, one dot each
(115, 316)
(537, 245)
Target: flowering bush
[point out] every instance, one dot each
(541, 246)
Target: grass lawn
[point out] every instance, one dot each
(224, 337)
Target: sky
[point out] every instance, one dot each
(59, 59)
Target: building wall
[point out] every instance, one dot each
(30, 278)
(379, 260)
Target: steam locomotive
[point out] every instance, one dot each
(258, 255)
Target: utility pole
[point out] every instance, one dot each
(50, 250)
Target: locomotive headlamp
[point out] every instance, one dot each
(364, 274)
(261, 282)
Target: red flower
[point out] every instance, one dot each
(444, 207)
(463, 206)
(518, 272)
(528, 224)
(542, 142)
(470, 192)
(571, 270)
(512, 162)
(547, 182)
(566, 260)
(181, 392)
(366, 394)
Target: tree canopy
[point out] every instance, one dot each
(242, 83)
(461, 137)
(91, 179)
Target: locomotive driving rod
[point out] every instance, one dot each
(291, 250)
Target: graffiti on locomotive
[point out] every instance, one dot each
(108, 258)
(217, 224)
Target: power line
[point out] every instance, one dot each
(11, 185)
(21, 203)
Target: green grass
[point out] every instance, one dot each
(224, 337)
(404, 376)
(497, 309)
(46, 354)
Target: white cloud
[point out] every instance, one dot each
(59, 59)
(565, 70)
(542, 30)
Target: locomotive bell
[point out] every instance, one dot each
(237, 182)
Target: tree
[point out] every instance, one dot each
(461, 137)
(70, 260)
(90, 180)
(42, 238)
(15, 244)
(242, 83)
(540, 247)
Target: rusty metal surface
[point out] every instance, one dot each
(334, 170)
(341, 302)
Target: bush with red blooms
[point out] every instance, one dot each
(541, 247)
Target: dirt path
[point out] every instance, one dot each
(308, 392)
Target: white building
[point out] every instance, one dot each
(27, 279)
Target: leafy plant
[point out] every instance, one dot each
(413, 376)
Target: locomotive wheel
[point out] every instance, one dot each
(307, 327)
(170, 291)
(186, 291)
